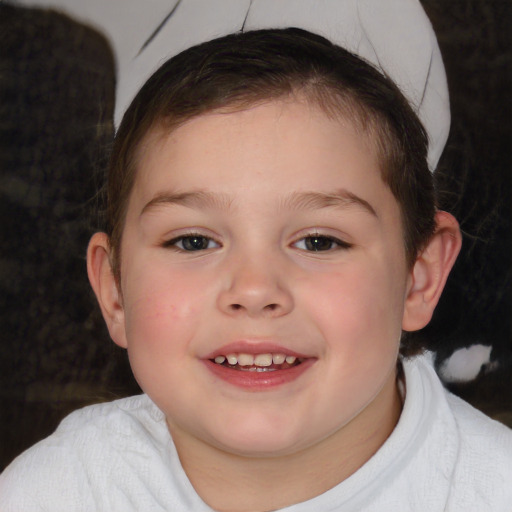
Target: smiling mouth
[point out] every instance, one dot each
(258, 362)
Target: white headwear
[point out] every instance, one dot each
(395, 35)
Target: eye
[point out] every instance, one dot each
(317, 243)
(192, 242)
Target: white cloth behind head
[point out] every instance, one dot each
(394, 35)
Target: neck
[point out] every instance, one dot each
(231, 483)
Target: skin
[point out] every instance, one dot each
(258, 281)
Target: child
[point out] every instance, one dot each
(271, 230)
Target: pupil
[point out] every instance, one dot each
(318, 243)
(195, 243)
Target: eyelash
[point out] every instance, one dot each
(173, 244)
(333, 241)
(191, 238)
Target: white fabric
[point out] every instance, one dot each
(394, 35)
(118, 457)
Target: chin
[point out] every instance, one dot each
(259, 448)
(260, 437)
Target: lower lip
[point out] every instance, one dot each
(259, 381)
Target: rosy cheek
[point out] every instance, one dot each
(160, 309)
(350, 306)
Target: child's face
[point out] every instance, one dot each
(217, 259)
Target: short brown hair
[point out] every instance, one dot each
(243, 69)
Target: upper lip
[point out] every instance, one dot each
(254, 348)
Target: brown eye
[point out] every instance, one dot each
(192, 243)
(319, 243)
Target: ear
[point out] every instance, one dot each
(430, 272)
(103, 282)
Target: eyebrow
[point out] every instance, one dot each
(341, 198)
(190, 199)
(297, 200)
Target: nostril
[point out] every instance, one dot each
(268, 307)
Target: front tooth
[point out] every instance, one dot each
(278, 358)
(263, 360)
(290, 359)
(245, 359)
(232, 359)
(220, 359)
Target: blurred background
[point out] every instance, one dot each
(57, 83)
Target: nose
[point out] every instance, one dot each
(255, 288)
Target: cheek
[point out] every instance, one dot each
(161, 309)
(160, 325)
(361, 332)
(359, 310)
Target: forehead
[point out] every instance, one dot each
(279, 146)
(320, 101)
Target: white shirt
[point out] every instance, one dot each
(119, 457)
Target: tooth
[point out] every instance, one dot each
(220, 359)
(245, 359)
(278, 358)
(232, 359)
(290, 359)
(263, 360)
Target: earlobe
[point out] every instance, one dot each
(430, 272)
(103, 282)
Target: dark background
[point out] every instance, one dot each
(56, 100)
